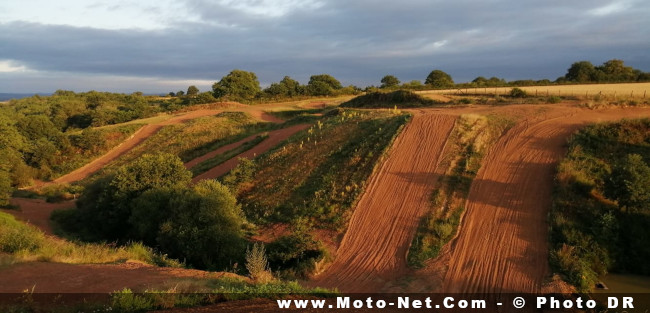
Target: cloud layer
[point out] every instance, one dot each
(176, 42)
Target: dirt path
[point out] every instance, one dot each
(218, 151)
(373, 250)
(37, 212)
(95, 278)
(275, 137)
(502, 243)
(147, 131)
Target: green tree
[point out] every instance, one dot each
(238, 85)
(389, 81)
(323, 85)
(439, 79)
(192, 91)
(106, 203)
(582, 71)
(292, 86)
(629, 184)
(616, 71)
(205, 227)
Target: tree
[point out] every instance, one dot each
(389, 81)
(616, 71)
(106, 204)
(204, 227)
(629, 184)
(180, 93)
(238, 85)
(292, 86)
(323, 85)
(480, 81)
(439, 79)
(582, 71)
(192, 91)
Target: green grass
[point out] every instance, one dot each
(223, 157)
(319, 174)
(590, 232)
(27, 243)
(469, 141)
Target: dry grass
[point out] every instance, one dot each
(628, 90)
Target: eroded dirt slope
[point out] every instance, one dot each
(373, 250)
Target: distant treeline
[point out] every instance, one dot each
(244, 86)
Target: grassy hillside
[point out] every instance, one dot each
(601, 211)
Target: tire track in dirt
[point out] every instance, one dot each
(373, 250)
(275, 137)
(502, 244)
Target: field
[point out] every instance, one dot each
(610, 91)
(442, 197)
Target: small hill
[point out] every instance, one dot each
(399, 98)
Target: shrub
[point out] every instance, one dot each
(518, 93)
(257, 264)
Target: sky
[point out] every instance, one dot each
(157, 46)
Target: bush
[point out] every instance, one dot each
(400, 98)
(257, 264)
(518, 93)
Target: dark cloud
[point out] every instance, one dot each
(357, 41)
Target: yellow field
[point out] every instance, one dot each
(628, 90)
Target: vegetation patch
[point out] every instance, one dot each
(468, 143)
(399, 98)
(601, 207)
(223, 157)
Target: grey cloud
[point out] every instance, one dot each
(357, 42)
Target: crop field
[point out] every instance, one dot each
(585, 91)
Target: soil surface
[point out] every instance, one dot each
(97, 278)
(275, 137)
(373, 251)
(37, 212)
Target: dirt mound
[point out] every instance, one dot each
(95, 278)
(373, 250)
(275, 137)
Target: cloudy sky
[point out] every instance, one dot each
(166, 45)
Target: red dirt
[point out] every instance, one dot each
(145, 132)
(37, 212)
(373, 250)
(275, 137)
(218, 151)
(94, 278)
(502, 242)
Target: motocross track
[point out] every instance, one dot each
(502, 243)
(373, 250)
(275, 137)
(147, 131)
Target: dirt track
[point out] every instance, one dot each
(37, 212)
(502, 243)
(275, 137)
(94, 278)
(373, 250)
(147, 131)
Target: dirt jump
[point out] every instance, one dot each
(373, 250)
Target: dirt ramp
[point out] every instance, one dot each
(373, 251)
